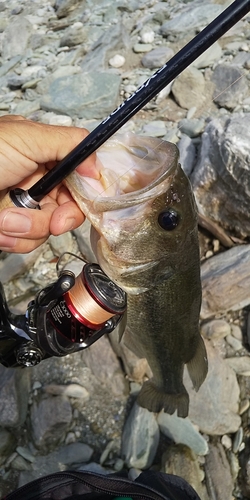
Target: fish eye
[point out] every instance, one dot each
(168, 219)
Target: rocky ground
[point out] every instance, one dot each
(72, 62)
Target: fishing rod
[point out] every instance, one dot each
(149, 89)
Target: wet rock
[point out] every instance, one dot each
(50, 419)
(181, 461)
(189, 88)
(140, 438)
(214, 408)
(16, 37)
(230, 85)
(157, 57)
(225, 282)
(14, 394)
(218, 476)
(182, 431)
(83, 95)
(221, 179)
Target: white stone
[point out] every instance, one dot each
(147, 37)
(117, 61)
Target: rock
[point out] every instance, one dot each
(187, 154)
(182, 431)
(155, 128)
(225, 282)
(214, 408)
(188, 88)
(70, 390)
(61, 243)
(136, 368)
(16, 37)
(102, 361)
(234, 343)
(221, 179)
(140, 438)
(209, 57)
(17, 264)
(241, 365)
(117, 61)
(193, 17)
(139, 48)
(75, 35)
(157, 57)
(83, 95)
(230, 85)
(181, 461)
(215, 329)
(218, 476)
(59, 460)
(192, 127)
(50, 419)
(64, 7)
(14, 394)
(113, 39)
(7, 444)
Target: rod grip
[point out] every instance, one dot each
(6, 202)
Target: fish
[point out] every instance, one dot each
(144, 234)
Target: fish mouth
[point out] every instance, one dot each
(131, 169)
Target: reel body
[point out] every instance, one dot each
(67, 316)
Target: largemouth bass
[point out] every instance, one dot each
(145, 239)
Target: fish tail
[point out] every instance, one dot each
(198, 365)
(155, 399)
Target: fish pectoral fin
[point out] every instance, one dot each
(198, 365)
(129, 340)
(155, 399)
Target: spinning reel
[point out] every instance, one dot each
(67, 316)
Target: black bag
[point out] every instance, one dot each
(73, 485)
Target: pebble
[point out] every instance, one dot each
(117, 61)
(230, 85)
(157, 57)
(192, 127)
(188, 88)
(226, 441)
(234, 343)
(215, 329)
(138, 48)
(187, 154)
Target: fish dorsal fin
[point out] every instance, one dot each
(198, 365)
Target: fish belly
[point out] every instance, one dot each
(163, 328)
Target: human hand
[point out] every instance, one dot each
(27, 151)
